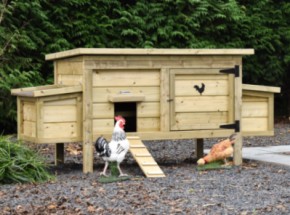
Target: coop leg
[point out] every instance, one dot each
(199, 148)
(59, 154)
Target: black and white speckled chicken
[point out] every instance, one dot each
(116, 149)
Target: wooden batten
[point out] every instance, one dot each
(126, 97)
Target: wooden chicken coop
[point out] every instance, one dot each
(162, 93)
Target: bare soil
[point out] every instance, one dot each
(253, 188)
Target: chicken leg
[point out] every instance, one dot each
(105, 169)
(121, 173)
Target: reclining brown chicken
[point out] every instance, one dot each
(219, 151)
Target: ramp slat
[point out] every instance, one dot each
(144, 159)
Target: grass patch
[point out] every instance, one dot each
(20, 164)
(213, 166)
(114, 177)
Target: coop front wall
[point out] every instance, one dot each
(149, 76)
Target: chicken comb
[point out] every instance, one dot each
(119, 117)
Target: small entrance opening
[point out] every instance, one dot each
(128, 111)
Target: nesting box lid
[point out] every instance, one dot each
(140, 51)
(47, 90)
(261, 88)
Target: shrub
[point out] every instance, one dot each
(20, 164)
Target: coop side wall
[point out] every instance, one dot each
(26, 114)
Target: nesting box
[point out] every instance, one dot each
(49, 114)
(162, 93)
(258, 110)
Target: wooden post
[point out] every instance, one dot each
(238, 160)
(199, 148)
(87, 122)
(59, 154)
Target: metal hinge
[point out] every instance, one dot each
(235, 71)
(235, 126)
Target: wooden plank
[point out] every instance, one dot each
(238, 160)
(157, 62)
(212, 87)
(148, 109)
(255, 109)
(185, 73)
(67, 113)
(271, 113)
(58, 90)
(231, 98)
(79, 107)
(101, 126)
(29, 128)
(257, 133)
(103, 110)
(29, 111)
(19, 90)
(192, 75)
(87, 122)
(70, 67)
(20, 120)
(59, 130)
(148, 124)
(69, 79)
(39, 118)
(201, 103)
(255, 124)
(247, 98)
(164, 100)
(100, 94)
(125, 78)
(61, 102)
(139, 51)
(200, 120)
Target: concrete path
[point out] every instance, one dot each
(271, 154)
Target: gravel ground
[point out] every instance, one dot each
(253, 188)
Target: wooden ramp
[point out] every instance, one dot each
(144, 158)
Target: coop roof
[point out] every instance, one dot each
(139, 51)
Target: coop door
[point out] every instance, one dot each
(201, 99)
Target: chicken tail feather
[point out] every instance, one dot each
(102, 147)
